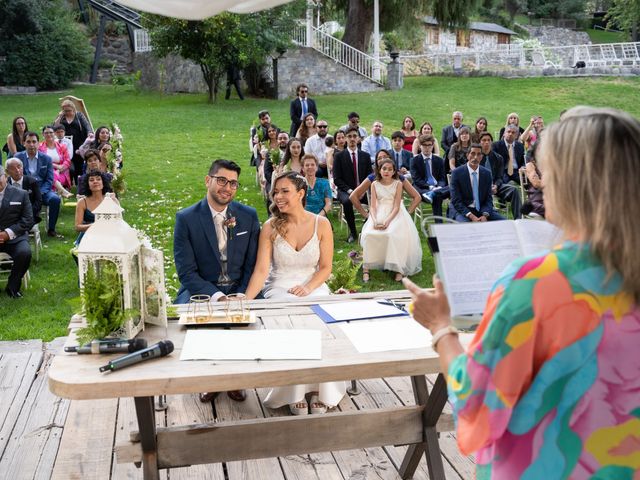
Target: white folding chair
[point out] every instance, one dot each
(34, 235)
(6, 264)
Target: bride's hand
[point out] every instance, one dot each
(299, 291)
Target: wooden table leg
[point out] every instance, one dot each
(434, 404)
(147, 425)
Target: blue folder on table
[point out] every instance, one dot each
(358, 310)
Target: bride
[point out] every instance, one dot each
(295, 254)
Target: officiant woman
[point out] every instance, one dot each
(549, 386)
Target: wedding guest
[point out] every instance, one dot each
(376, 141)
(93, 161)
(14, 139)
(258, 133)
(59, 133)
(292, 161)
(548, 387)
(17, 178)
(295, 255)
(512, 119)
(458, 151)
(387, 222)
(364, 186)
(316, 144)
(60, 159)
(40, 166)
(506, 192)
(481, 126)
(319, 194)
(531, 134)
(428, 175)
(299, 107)
(15, 222)
(307, 128)
(535, 199)
(400, 155)
(425, 129)
(93, 141)
(76, 126)
(353, 121)
(97, 186)
(409, 131)
(450, 132)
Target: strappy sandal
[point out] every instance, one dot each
(299, 408)
(316, 406)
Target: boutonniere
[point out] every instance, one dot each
(230, 223)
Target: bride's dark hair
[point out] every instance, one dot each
(280, 219)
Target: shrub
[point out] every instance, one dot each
(42, 44)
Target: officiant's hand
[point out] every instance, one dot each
(430, 307)
(299, 291)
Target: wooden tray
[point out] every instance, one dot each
(217, 319)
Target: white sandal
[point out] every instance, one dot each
(299, 408)
(316, 406)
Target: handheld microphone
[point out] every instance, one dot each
(116, 345)
(160, 349)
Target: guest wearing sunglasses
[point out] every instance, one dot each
(300, 107)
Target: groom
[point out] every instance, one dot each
(215, 243)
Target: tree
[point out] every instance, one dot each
(398, 14)
(221, 41)
(557, 9)
(626, 15)
(42, 44)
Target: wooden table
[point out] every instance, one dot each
(77, 377)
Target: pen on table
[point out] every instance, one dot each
(391, 303)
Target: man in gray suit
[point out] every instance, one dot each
(16, 218)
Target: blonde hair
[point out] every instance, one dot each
(512, 114)
(588, 160)
(68, 103)
(279, 219)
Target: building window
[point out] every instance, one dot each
(503, 39)
(462, 38)
(433, 36)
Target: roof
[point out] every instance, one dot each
(479, 26)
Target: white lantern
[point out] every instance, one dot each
(111, 243)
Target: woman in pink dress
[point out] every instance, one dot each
(61, 161)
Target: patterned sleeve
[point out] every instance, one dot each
(485, 382)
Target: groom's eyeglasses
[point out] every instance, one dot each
(222, 181)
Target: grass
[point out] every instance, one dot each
(606, 36)
(170, 141)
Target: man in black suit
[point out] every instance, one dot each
(512, 151)
(350, 167)
(300, 106)
(16, 219)
(450, 133)
(470, 186)
(400, 156)
(495, 163)
(16, 177)
(427, 173)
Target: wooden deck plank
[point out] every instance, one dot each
(87, 440)
(38, 430)
(17, 372)
(262, 469)
(186, 410)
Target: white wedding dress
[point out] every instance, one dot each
(397, 248)
(290, 267)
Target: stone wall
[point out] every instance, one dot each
(116, 50)
(323, 75)
(557, 37)
(171, 74)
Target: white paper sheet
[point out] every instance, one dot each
(358, 309)
(252, 345)
(537, 235)
(385, 335)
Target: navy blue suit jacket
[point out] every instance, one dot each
(16, 213)
(405, 158)
(295, 112)
(518, 151)
(462, 194)
(196, 253)
(44, 173)
(419, 172)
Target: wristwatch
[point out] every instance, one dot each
(448, 330)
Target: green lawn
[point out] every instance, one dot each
(605, 36)
(171, 140)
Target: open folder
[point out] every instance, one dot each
(357, 310)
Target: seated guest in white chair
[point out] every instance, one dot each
(470, 187)
(16, 219)
(16, 177)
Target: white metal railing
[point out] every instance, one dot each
(141, 40)
(340, 52)
(593, 55)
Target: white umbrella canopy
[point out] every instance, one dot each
(199, 9)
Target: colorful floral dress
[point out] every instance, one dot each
(550, 386)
